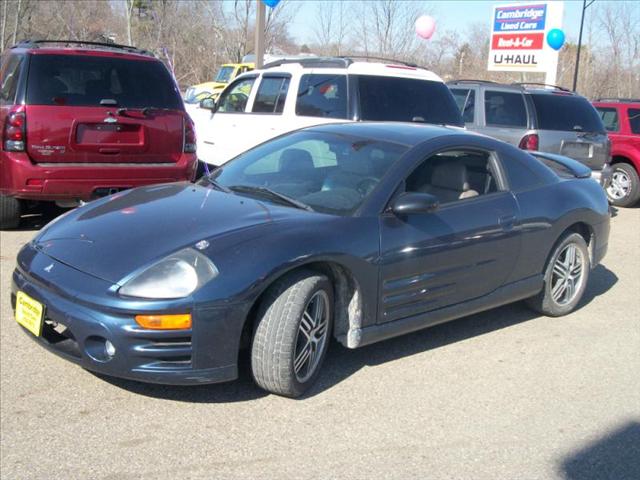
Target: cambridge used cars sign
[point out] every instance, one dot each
(518, 36)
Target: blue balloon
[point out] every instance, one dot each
(271, 3)
(555, 38)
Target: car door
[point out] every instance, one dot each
(224, 134)
(504, 115)
(467, 248)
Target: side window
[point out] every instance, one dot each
(466, 101)
(9, 78)
(234, 99)
(271, 95)
(505, 109)
(634, 119)
(322, 96)
(609, 118)
(454, 175)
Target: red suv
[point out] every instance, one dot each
(621, 118)
(80, 120)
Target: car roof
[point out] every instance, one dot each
(526, 87)
(378, 66)
(403, 133)
(73, 47)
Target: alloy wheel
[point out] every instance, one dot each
(312, 336)
(620, 185)
(567, 275)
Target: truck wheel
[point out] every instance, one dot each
(565, 277)
(292, 334)
(10, 211)
(624, 189)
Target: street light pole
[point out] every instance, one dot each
(259, 38)
(585, 5)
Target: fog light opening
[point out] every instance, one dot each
(109, 349)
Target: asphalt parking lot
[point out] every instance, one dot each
(502, 394)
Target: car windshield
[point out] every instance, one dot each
(567, 113)
(224, 74)
(320, 171)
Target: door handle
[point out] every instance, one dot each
(507, 221)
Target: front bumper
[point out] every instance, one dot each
(603, 177)
(76, 330)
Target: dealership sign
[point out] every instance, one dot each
(518, 37)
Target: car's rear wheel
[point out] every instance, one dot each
(565, 277)
(292, 334)
(10, 211)
(624, 188)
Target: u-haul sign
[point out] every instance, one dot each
(518, 34)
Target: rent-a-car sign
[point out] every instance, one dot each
(518, 36)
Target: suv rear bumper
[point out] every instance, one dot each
(79, 182)
(603, 177)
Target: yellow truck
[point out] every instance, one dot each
(226, 74)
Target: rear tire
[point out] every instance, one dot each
(624, 188)
(565, 277)
(293, 333)
(10, 211)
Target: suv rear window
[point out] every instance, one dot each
(406, 100)
(85, 80)
(566, 112)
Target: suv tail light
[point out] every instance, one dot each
(529, 142)
(189, 144)
(15, 131)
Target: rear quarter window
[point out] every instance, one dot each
(609, 117)
(634, 119)
(505, 109)
(566, 113)
(9, 77)
(406, 100)
(86, 80)
(322, 95)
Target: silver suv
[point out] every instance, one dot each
(537, 117)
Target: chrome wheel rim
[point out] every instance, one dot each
(620, 185)
(312, 336)
(567, 275)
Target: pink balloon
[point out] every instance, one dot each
(425, 26)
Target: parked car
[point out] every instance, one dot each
(621, 118)
(360, 231)
(228, 71)
(294, 93)
(537, 117)
(80, 120)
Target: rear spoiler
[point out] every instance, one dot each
(563, 163)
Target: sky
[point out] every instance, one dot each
(449, 15)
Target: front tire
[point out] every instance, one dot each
(624, 188)
(293, 333)
(10, 211)
(565, 277)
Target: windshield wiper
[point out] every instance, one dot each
(271, 193)
(211, 180)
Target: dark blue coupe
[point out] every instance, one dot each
(359, 232)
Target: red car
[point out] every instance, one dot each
(80, 120)
(621, 118)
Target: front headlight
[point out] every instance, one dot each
(175, 276)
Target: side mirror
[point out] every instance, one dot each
(208, 103)
(409, 203)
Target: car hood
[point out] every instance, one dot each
(113, 237)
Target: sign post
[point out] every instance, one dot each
(518, 33)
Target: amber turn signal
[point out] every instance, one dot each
(165, 322)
